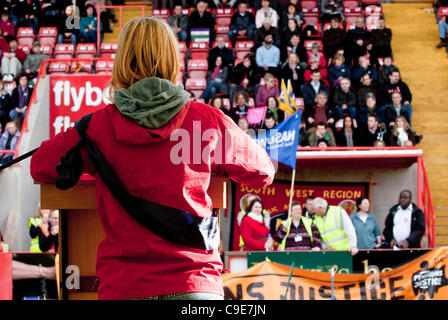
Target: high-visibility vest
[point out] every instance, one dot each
(46, 233)
(34, 247)
(331, 230)
(241, 244)
(306, 222)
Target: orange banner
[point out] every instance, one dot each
(423, 278)
(5, 276)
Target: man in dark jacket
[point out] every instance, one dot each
(333, 38)
(201, 18)
(263, 31)
(405, 223)
(394, 85)
(179, 23)
(356, 40)
(242, 24)
(381, 40)
(220, 51)
(244, 76)
(312, 88)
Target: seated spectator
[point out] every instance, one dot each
(12, 61)
(243, 123)
(295, 46)
(320, 112)
(314, 65)
(344, 99)
(443, 32)
(179, 23)
(216, 80)
(240, 105)
(400, 132)
(348, 136)
(333, 38)
(297, 232)
(290, 13)
(65, 30)
(356, 39)
(201, 18)
(269, 121)
(381, 39)
(8, 141)
(244, 76)
(5, 106)
(316, 53)
(269, 89)
(220, 51)
(272, 104)
(11, 8)
(337, 70)
(293, 71)
(372, 132)
(20, 98)
(88, 25)
(49, 233)
(242, 23)
(254, 233)
(368, 233)
(366, 88)
(33, 60)
(263, 31)
(321, 132)
(266, 12)
(395, 109)
(394, 85)
(362, 68)
(30, 10)
(291, 28)
(370, 109)
(384, 70)
(6, 26)
(405, 223)
(312, 88)
(330, 9)
(267, 57)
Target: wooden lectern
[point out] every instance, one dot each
(81, 231)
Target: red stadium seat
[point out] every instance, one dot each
(443, 11)
(185, 11)
(351, 26)
(48, 35)
(228, 44)
(197, 69)
(308, 44)
(47, 49)
(373, 10)
(309, 4)
(372, 22)
(352, 11)
(199, 50)
(104, 66)
(64, 51)
(85, 50)
(350, 3)
(370, 2)
(223, 16)
(242, 48)
(182, 50)
(59, 68)
(25, 48)
(25, 36)
(81, 67)
(161, 13)
(222, 30)
(108, 49)
(197, 86)
(351, 19)
(311, 19)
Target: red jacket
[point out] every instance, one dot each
(254, 234)
(132, 261)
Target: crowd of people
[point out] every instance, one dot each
(320, 226)
(352, 91)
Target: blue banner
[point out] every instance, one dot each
(281, 141)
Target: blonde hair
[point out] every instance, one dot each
(147, 47)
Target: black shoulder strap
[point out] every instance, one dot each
(168, 223)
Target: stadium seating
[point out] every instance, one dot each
(25, 48)
(161, 13)
(242, 48)
(350, 3)
(197, 69)
(182, 50)
(199, 50)
(197, 86)
(48, 35)
(85, 50)
(351, 13)
(108, 49)
(309, 4)
(311, 15)
(223, 31)
(25, 36)
(81, 67)
(64, 51)
(104, 66)
(223, 16)
(47, 49)
(373, 10)
(59, 68)
(228, 44)
(308, 44)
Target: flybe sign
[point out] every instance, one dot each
(73, 96)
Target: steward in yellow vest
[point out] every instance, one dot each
(33, 225)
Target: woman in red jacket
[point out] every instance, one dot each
(164, 149)
(253, 230)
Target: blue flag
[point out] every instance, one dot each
(281, 141)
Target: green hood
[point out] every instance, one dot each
(151, 102)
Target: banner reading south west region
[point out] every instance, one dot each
(74, 96)
(424, 278)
